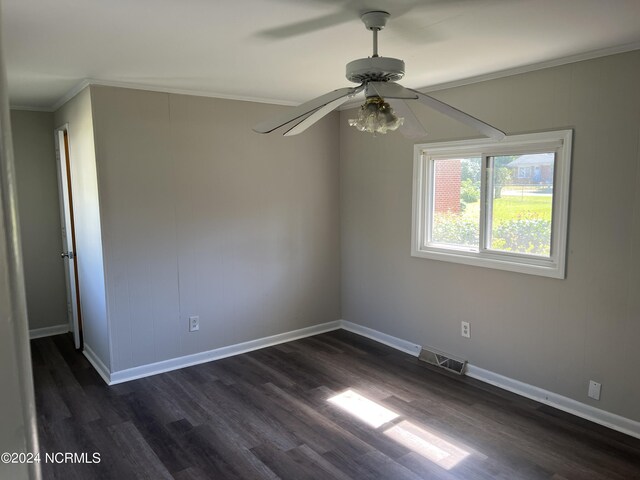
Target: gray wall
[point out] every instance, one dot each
(86, 208)
(202, 216)
(554, 334)
(39, 211)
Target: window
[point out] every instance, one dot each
(495, 204)
(524, 172)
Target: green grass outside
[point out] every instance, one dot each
(512, 207)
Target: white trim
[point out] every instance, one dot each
(481, 256)
(351, 104)
(508, 72)
(532, 67)
(394, 342)
(579, 409)
(601, 417)
(218, 353)
(158, 88)
(31, 109)
(75, 90)
(49, 331)
(94, 360)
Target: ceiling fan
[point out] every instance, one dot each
(377, 77)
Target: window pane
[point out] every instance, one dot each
(522, 205)
(456, 202)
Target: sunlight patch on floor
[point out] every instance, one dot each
(424, 441)
(368, 411)
(427, 444)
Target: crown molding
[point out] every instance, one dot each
(24, 108)
(580, 57)
(351, 104)
(77, 88)
(157, 88)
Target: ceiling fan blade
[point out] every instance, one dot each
(446, 109)
(392, 90)
(315, 116)
(308, 26)
(305, 109)
(412, 127)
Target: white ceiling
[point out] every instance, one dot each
(235, 48)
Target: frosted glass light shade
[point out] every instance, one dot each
(376, 116)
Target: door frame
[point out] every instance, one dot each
(67, 221)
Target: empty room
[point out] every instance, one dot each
(313, 239)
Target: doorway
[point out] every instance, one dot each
(69, 253)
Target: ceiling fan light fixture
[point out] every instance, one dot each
(376, 116)
(376, 76)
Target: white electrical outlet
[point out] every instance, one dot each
(465, 329)
(594, 390)
(194, 323)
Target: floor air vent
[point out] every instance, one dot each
(443, 361)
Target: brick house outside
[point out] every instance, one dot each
(447, 186)
(532, 169)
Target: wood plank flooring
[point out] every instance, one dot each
(267, 415)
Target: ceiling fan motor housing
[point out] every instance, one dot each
(375, 69)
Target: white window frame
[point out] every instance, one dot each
(423, 182)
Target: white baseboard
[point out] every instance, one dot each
(579, 409)
(218, 353)
(394, 342)
(48, 331)
(596, 415)
(94, 360)
(582, 410)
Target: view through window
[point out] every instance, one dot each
(520, 208)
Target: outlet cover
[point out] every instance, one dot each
(594, 390)
(194, 323)
(465, 329)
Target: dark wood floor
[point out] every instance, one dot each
(266, 415)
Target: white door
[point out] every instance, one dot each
(68, 253)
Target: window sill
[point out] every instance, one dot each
(513, 263)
